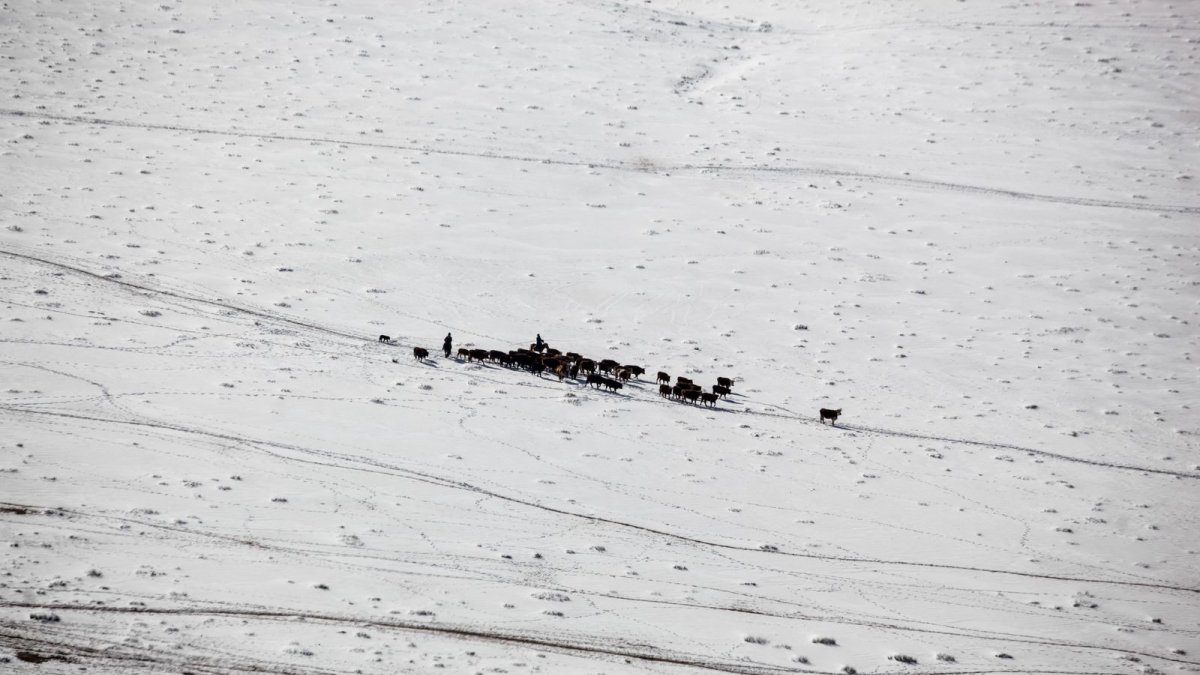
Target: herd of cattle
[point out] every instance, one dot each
(607, 373)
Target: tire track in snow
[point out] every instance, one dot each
(564, 644)
(349, 462)
(629, 166)
(272, 316)
(881, 431)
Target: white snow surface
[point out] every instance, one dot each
(971, 226)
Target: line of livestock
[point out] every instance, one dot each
(606, 373)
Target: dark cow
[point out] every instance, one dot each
(573, 357)
(691, 395)
(420, 353)
(496, 355)
(664, 377)
(610, 384)
(636, 371)
(709, 400)
(664, 390)
(682, 380)
(831, 415)
(623, 374)
(720, 391)
(464, 353)
(608, 365)
(594, 379)
(537, 368)
(561, 371)
(479, 354)
(385, 338)
(587, 366)
(725, 382)
(573, 371)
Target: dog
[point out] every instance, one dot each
(831, 415)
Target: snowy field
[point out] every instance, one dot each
(971, 226)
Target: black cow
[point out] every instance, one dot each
(831, 415)
(385, 338)
(610, 383)
(420, 353)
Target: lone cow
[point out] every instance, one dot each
(831, 415)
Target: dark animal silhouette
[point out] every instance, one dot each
(664, 377)
(587, 366)
(594, 379)
(682, 380)
(623, 374)
(831, 415)
(720, 391)
(725, 382)
(610, 383)
(385, 338)
(636, 371)
(664, 390)
(709, 400)
(691, 395)
(464, 353)
(420, 353)
(479, 354)
(447, 345)
(607, 365)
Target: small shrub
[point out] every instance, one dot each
(755, 640)
(824, 641)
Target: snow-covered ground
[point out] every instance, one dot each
(971, 226)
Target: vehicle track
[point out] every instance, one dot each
(563, 644)
(327, 330)
(349, 462)
(631, 166)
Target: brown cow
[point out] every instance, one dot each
(561, 371)
(587, 366)
(636, 371)
(420, 353)
(623, 374)
(664, 377)
(725, 382)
